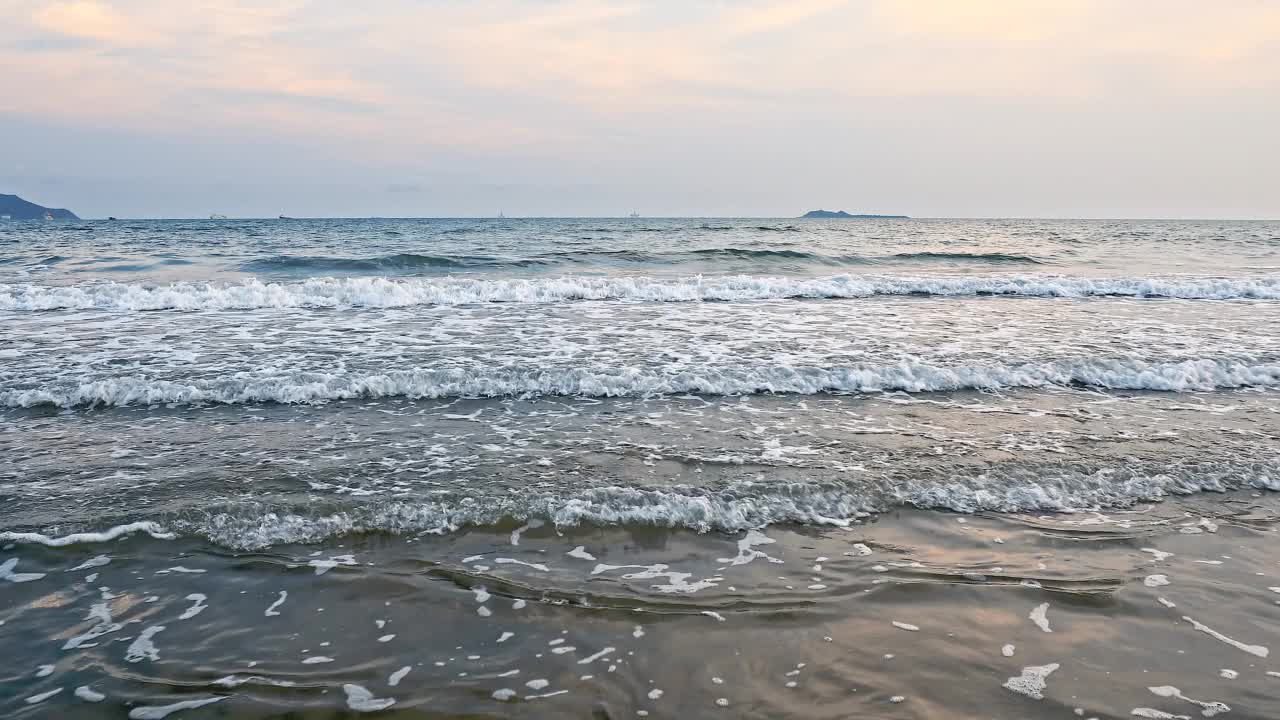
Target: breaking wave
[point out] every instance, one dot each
(380, 292)
(319, 387)
(737, 506)
(969, 257)
(773, 254)
(399, 261)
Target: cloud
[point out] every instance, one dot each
(1085, 46)
(749, 19)
(403, 58)
(574, 86)
(85, 18)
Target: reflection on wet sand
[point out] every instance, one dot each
(909, 614)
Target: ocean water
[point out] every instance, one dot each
(639, 467)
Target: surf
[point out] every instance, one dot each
(386, 292)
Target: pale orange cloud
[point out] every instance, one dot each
(993, 21)
(398, 66)
(86, 18)
(749, 19)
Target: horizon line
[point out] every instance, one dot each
(873, 216)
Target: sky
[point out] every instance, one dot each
(944, 108)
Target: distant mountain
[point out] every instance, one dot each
(18, 209)
(843, 214)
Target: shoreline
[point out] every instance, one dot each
(916, 605)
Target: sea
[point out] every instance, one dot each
(620, 468)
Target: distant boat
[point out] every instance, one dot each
(6, 217)
(635, 214)
(48, 215)
(285, 217)
(501, 216)
(216, 216)
(110, 217)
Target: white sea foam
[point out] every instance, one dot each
(1258, 650)
(1207, 709)
(747, 551)
(159, 712)
(384, 292)
(35, 699)
(1032, 681)
(581, 553)
(1153, 714)
(197, 607)
(88, 694)
(142, 648)
(596, 656)
(364, 701)
(231, 681)
(7, 573)
(93, 562)
(324, 566)
(678, 581)
(273, 609)
(1040, 617)
(102, 613)
(270, 385)
(512, 561)
(108, 535)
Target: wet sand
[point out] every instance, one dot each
(1170, 609)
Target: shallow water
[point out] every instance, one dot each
(912, 614)
(747, 468)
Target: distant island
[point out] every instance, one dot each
(843, 214)
(13, 207)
